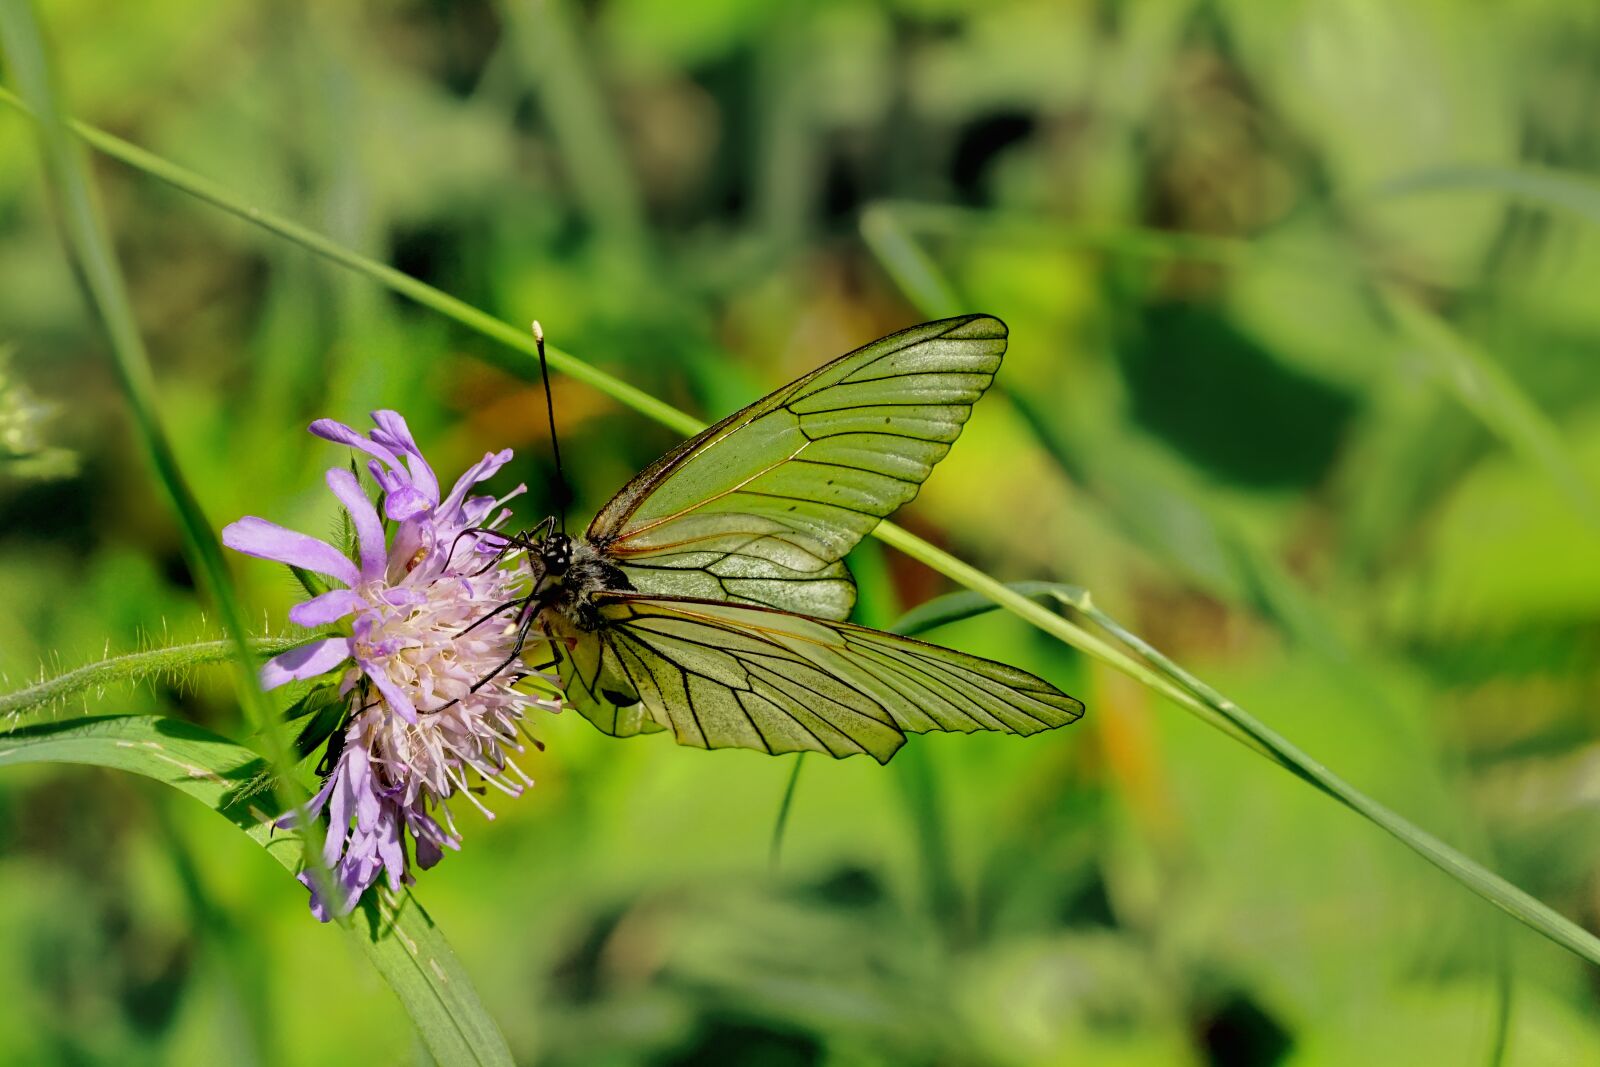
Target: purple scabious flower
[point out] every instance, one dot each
(418, 733)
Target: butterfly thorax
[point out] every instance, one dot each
(572, 572)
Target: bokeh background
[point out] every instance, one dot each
(1302, 385)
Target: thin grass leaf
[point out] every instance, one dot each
(1473, 876)
(906, 262)
(394, 930)
(1489, 393)
(784, 807)
(1546, 187)
(954, 607)
(895, 221)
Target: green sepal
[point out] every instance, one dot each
(324, 711)
(312, 583)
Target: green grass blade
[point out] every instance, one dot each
(1515, 902)
(395, 932)
(784, 807)
(954, 607)
(1577, 193)
(906, 262)
(1489, 393)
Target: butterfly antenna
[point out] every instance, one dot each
(550, 410)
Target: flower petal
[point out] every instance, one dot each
(369, 531)
(292, 819)
(307, 661)
(339, 433)
(319, 907)
(428, 853)
(483, 469)
(393, 433)
(331, 606)
(397, 700)
(406, 502)
(267, 540)
(391, 848)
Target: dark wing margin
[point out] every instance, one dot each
(731, 676)
(762, 507)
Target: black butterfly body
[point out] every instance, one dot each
(709, 596)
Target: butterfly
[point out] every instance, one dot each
(709, 597)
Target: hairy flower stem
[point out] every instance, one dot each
(126, 670)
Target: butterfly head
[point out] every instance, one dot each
(555, 552)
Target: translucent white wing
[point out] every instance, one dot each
(722, 675)
(762, 507)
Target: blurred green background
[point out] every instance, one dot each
(1302, 385)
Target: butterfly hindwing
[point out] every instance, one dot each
(762, 507)
(723, 675)
(596, 685)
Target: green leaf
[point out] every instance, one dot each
(394, 930)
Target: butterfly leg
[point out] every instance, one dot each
(511, 540)
(522, 639)
(492, 613)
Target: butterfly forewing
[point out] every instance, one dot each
(723, 675)
(762, 507)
